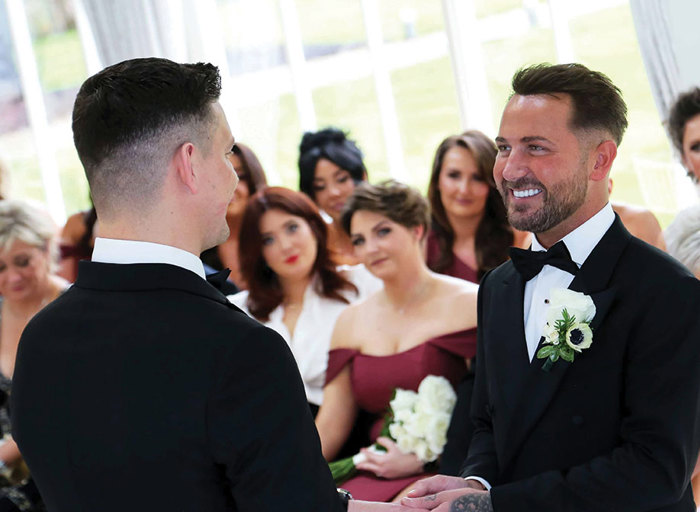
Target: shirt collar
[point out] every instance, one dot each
(582, 240)
(111, 250)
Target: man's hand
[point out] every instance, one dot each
(456, 500)
(391, 464)
(369, 506)
(439, 483)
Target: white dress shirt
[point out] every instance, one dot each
(111, 250)
(580, 243)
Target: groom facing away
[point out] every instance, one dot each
(616, 429)
(142, 388)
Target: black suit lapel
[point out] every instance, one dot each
(539, 387)
(507, 335)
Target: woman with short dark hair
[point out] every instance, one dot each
(419, 323)
(330, 166)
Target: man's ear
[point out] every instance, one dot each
(183, 161)
(604, 154)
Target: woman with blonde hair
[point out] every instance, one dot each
(28, 255)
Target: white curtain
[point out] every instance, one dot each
(652, 21)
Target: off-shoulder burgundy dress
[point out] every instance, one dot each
(374, 378)
(457, 269)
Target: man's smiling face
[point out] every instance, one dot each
(540, 168)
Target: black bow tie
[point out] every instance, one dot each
(530, 263)
(218, 279)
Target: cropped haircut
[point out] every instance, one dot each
(252, 173)
(597, 102)
(264, 289)
(394, 200)
(130, 118)
(29, 223)
(494, 235)
(686, 106)
(331, 144)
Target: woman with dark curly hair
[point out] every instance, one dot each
(470, 233)
(294, 286)
(330, 165)
(684, 127)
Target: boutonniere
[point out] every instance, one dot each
(568, 329)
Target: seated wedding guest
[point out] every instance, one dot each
(251, 178)
(27, 284)
(76, 242)
(683, 239)
(420, 323)
(639, 221)
(684, 127)
(330, 165)
(469, 232)
(293, 284)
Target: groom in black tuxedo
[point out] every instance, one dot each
(142, 388)
(617, 428)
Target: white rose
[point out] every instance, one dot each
(418, 424)
(437, 432)
(397, 432)
(423, 452)
(403, 400)
(403, 415)
(407, 443)
(435, 394)
(576, 304)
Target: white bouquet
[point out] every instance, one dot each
(417, 422)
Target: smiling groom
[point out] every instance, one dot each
(565, 420)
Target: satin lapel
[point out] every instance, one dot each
(539, 387)
(507, 337)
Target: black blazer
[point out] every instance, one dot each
(618, 428)
(143, 389)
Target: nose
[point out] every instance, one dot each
(285, 242)
(333, 190)
(13, 275)
(511, 167)
(464, 186)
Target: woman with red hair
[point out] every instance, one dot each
(294, 286)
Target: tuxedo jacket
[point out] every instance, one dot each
(143, 389)
(615, 430)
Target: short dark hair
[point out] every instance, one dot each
(252, 172)
(686, 106)
(129, 118)
(597, 102)
(394, 200)
(264, 289)
(494, 235)
(332, 144)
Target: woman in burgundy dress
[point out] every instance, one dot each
(469, 232)
(420, 323)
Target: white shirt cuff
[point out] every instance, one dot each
(480, 480)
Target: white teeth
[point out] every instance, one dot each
(526, 193)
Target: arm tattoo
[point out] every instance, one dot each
(472, 503)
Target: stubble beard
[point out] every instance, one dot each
(560, 202)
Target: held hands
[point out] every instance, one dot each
(448, 494)
(390, 464)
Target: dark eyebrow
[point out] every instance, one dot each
(530, 138)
